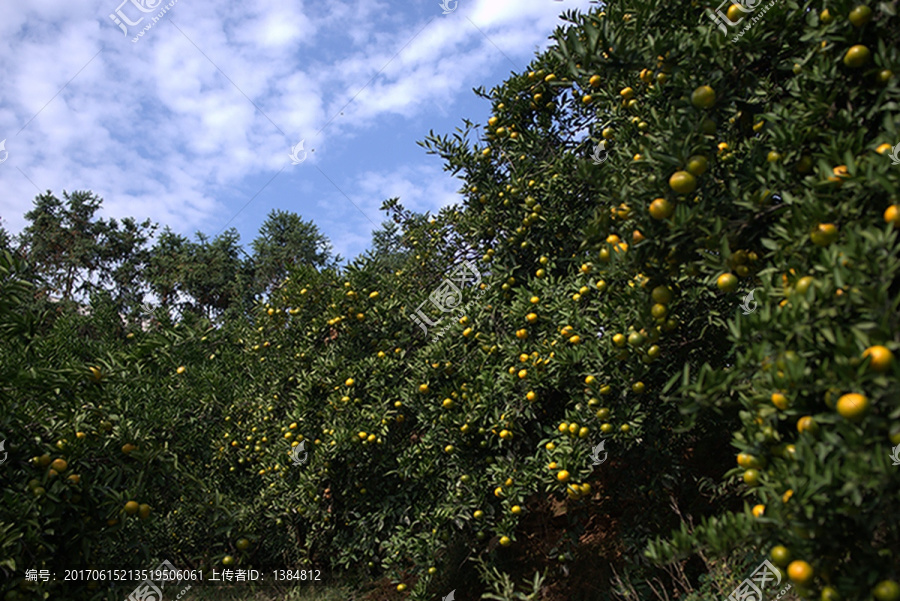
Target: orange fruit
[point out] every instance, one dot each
(682, 182)
(727, 282)
(860, 15)
(734, 13)
(853, 406)
(807, 424)
(59, 465)
(892, 215)
(661, 209)
(401, 587)
(881, 358)
(697, 165)
(758, 510)
(800, 572)
(886, 590)
(662, 295)
(779, 400)
(751, 477)
(562, 476)
(594, 81)
(829, 593)
(824, 234)
(857, 56)
(826, 17)
(780, 555)
(505, 541)
(128, 448)
(703, 97)
(143, 511)
(803, 284)
(131, 507)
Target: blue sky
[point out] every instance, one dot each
(198, 116)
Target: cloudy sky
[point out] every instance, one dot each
(191, 124)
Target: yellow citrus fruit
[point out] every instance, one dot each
(59, 465)
(505, 541)
(853, 406)
(128, 448)
(860, 15)
(703, 97)
(800, 572)
(803, 284)
(857, 56)
(780, 555)
(349, 382)
(826, 17)
(807, 424)
(824, 234)
(661, 209)
(516, 510)
(881, 358)
(662, 295)
(734, 13)
(751, 477)
(562, 476)
(886, 590)
(682, 182)
(181, 369)
(594, 81)
(143, 511)
(401, 587)
(892, 215)
(758, 510)
(697, 165)
(779, 400)
(131, 507)
(727, 282)
(531, 317)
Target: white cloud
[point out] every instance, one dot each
(157, 129)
